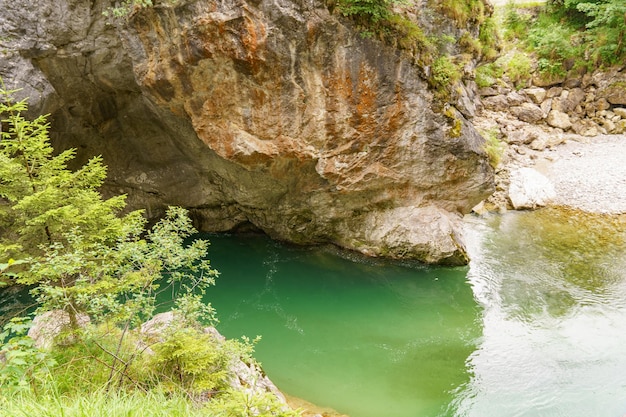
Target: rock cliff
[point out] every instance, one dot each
(272, 114)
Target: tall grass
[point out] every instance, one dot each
(99, 404)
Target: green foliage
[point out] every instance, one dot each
(368, 12)
(444, 74)
(81, 255)
(553, 40)
(21, 364)
(470, 44)
(407, 35)
(576, 32)
(192, 361)
(246, 404)
(488, 74)
(100, 404)
(516, 23)
(489, 38)
(518, 67)
(464, 11)
(493, 147)
(127, 7)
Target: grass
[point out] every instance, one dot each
(493, 147)
(99, 404)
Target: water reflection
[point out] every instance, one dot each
(553, 288)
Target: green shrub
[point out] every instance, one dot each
(463, 11)
(518, 68)
(493, 147)
(489, 38)
(126, 7)
(488, 74)
(365, 11)
(470, 44)
(444, 74)
(516, 24)
(409, 36)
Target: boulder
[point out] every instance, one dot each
(546, 106)
(615, 93)
(559, 119)
(620, 111)
(547, 80)
(536, 94)
(530, 189)
(397, 230)
(515, 99)
(585, 127)
(527, 112)
(496, 103)
(526, 135)
(47, 327)
(554, 92)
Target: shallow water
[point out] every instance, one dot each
(536, 326)
(552, 285)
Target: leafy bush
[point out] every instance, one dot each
(444, 74)
(493, 147)
(489, 38)
(488, 74)
(518, 68)
(22, 365)
(366, 11)
(463, 11)
(516, 23)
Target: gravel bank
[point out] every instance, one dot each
(588, 173)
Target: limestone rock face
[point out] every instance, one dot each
(273, 114)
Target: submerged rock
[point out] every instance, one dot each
(274, 114)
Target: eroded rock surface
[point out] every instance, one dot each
(268, 113)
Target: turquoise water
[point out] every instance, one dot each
(367, 339)
(536, 326)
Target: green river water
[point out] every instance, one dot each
(535, 326)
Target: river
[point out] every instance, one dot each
(535, 326)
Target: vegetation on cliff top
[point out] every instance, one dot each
(82, 258)
(557, 39)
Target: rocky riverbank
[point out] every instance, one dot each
(564, 143)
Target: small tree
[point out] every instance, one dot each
(75, 248)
